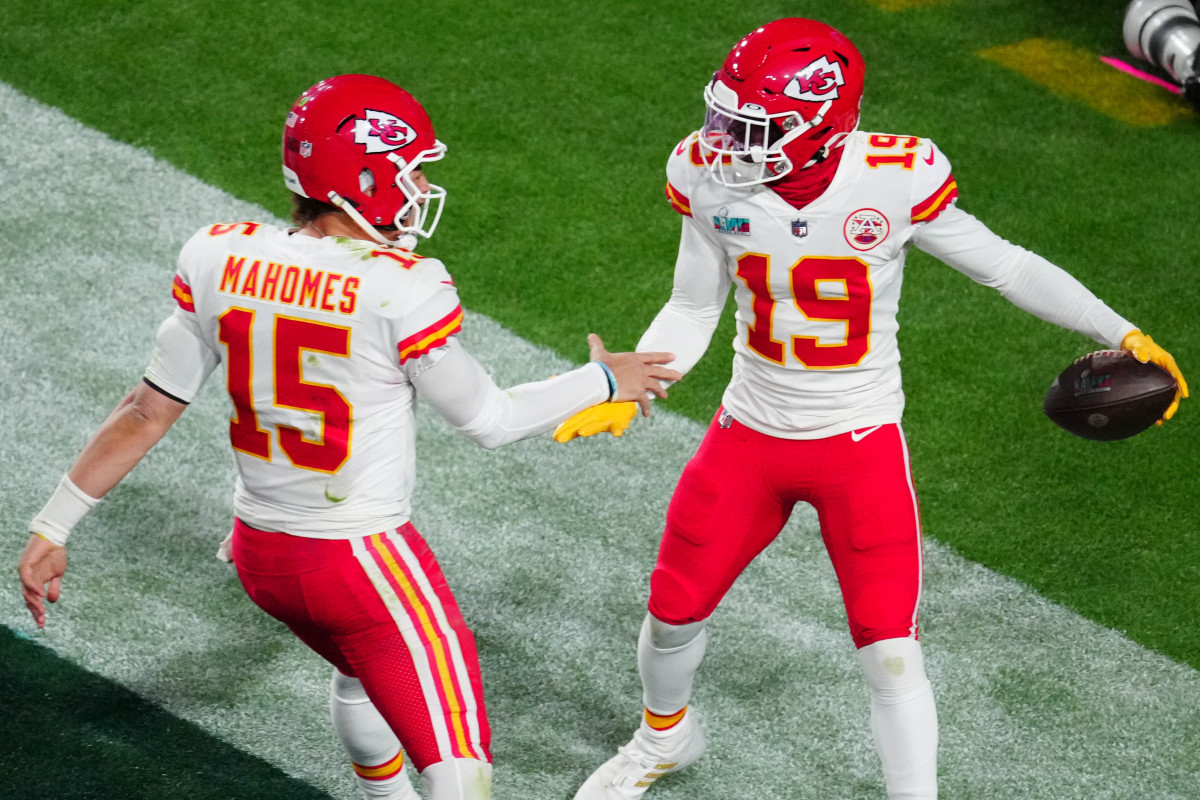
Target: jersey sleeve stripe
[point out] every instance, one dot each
(183, 295)
(678, 200)
(434, 336)
(937, 202)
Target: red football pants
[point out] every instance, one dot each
(378, 608)
(738, 491)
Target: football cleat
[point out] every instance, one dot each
(647, 757)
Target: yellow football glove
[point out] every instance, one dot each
(1144, 349)
(611, 417)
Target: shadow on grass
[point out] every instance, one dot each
(66, 733)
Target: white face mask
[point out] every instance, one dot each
(743, 145)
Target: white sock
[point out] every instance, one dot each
(372, 746)
(458, 779)
(668, 657)
(903, 717)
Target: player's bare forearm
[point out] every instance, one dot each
(135, 425)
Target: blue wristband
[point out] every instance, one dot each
(612, 380)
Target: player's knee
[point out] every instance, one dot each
(665, 637)
(675, 599)
(894, 668)
(345, 689)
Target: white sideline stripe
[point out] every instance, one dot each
(1035, 701)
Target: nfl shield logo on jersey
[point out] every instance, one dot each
(799, 228)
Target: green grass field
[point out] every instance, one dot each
(559, 121)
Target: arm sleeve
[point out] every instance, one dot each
(1027, 280)
(464, 394)
(686, 323)
(182, 360)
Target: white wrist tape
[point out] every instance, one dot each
(65, 507)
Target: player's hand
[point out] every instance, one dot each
(1144, 349)
(638, 375)
(225, 549)
(611, 417)
(41, 570)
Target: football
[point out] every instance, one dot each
(1109, 395)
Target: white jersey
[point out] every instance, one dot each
(320, 340)
(818, 289)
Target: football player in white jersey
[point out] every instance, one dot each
(809, 220)
(325, 334)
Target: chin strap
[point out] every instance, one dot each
(406, 242)
(359, 220)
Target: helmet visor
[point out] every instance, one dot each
(735, 133)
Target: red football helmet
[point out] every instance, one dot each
(354, 141)
(787, 92)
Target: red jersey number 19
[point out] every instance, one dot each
(824, 289)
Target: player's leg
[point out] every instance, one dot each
(379, 608)
(904, 721)
(871, 526)
(668, 658)
(420, 667)
(458, 779)
(719, 519)
(275, 570)
(373, 748)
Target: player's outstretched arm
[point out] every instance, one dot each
(135, 425)
(1145, 349)
(464, 394)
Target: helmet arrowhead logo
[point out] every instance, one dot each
(817, 82)
(381, 132)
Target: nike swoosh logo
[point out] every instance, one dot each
(858, 436)
(929, 160)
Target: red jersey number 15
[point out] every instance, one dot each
(291, 338)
